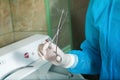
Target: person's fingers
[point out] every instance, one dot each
(46, 45)
(41, 56)
(40, 49)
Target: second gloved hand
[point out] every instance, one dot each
(48, 51)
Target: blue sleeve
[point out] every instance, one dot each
(89, 58)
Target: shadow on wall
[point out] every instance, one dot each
(78, 12)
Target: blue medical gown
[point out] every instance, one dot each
(100, 52)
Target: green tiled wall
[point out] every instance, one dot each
(55, 8)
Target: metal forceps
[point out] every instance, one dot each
(56, 36)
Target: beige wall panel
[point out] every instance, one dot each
(29, 15)
(6, 39)
(22, 35)
(5, 17)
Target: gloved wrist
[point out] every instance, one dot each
(69, 61)
(57, 57)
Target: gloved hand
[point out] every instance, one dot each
(47, 51)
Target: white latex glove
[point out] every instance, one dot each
(47, 51)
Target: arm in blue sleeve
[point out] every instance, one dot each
(89, 58)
